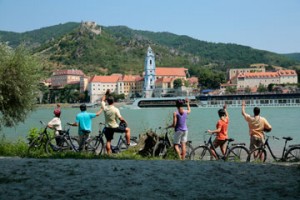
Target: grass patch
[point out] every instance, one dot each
(18, 148)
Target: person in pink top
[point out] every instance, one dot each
(221, 131)
(181, 130)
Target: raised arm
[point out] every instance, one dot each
(243, 108)
(225, 109)
(188, 105)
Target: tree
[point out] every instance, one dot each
(18, 84)
(247, 89)
(271, 87)
(230, 90)
(261, 88)
(177, 83)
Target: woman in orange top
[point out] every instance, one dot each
(221, 131)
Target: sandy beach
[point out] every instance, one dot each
(23, 178)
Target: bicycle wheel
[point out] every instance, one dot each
(160, 149)
(201, 153)
(37, 145)
(292, 155)
(75, 142)
(257, 155)
(95, 145)
(237, 153)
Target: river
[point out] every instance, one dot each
(284, 121)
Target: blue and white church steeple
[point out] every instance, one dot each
(150, 77)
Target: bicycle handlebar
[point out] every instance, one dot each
(273, 137)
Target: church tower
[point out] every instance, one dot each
(149, 78)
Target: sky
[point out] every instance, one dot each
(272, 25)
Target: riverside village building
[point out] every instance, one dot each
(159, 81)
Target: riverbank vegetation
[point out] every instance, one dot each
(19, 79)
(20, 149)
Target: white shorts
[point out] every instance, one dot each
(180, 136)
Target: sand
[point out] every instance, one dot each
(23, 178)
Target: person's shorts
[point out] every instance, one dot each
(109, 132)
(217, 143)
(255, 142)
(180, 136)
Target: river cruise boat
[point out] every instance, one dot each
(162, 102)
(267, 99)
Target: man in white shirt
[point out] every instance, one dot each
(112, 115)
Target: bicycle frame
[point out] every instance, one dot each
(209, 144)
(117, 148)
(284, 150)
(65, 142)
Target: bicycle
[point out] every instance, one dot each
(39, 143)
(62, 142)
(235, 152)
(50, 143)
(163, 144)
(96, 144)
(289, 154)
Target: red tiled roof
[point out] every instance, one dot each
(287, 72)
(268, 74)
(164, 80)
(170, 71)
(130, 78)
(258, 75)
(139, 78)
(193, 80)
(105, 79)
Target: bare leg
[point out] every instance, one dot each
(176, 147)
(108, 144)
(127, 135)
(214, 153)
(223, 149)
(183, 147)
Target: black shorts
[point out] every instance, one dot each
(109, 132)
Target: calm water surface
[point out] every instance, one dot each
(284, 120)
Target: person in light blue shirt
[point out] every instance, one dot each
(84, 123)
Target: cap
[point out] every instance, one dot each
(57, 112)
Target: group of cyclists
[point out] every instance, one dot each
(257, 125)
(83, 121)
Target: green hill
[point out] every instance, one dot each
(37, 37)
(294, 56)
(120, 49)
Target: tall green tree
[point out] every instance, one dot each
(177, 83)
(18, 84)
(261, 88)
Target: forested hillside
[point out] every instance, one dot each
(294, 56)
(120, 49)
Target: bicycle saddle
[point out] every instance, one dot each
(287, 138)
(230, 139)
